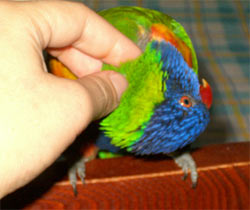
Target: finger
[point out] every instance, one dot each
(80, 28)
(105, 90)
(74, 59)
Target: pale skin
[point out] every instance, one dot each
(42, 114)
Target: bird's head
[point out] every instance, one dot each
(183, 115)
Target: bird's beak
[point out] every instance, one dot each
(206, 93)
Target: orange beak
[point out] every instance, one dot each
(206, 93)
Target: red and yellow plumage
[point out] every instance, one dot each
(160, 31)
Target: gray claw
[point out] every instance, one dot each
(187, 163)
(75, 190)
(194, 185)
(185, 176)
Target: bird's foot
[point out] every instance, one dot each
(77, 166)
(187, 163)
(77, 169)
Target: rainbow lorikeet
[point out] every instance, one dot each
(164, 108)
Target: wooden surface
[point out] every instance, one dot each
(138, 183)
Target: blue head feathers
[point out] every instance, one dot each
(182, 116)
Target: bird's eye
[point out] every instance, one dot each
(186, 101)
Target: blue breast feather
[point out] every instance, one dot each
(172, 126)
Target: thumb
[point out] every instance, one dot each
(105, 90)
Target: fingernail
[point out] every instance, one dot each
(119, 82)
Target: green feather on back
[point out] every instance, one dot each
(136, 22)
(126, 124)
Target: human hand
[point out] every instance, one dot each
(42, 114)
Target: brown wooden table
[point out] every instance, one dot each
(138, 183)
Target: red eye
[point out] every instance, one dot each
(186, 101)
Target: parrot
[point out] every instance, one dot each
(165, 108)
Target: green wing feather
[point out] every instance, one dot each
(135, 23)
